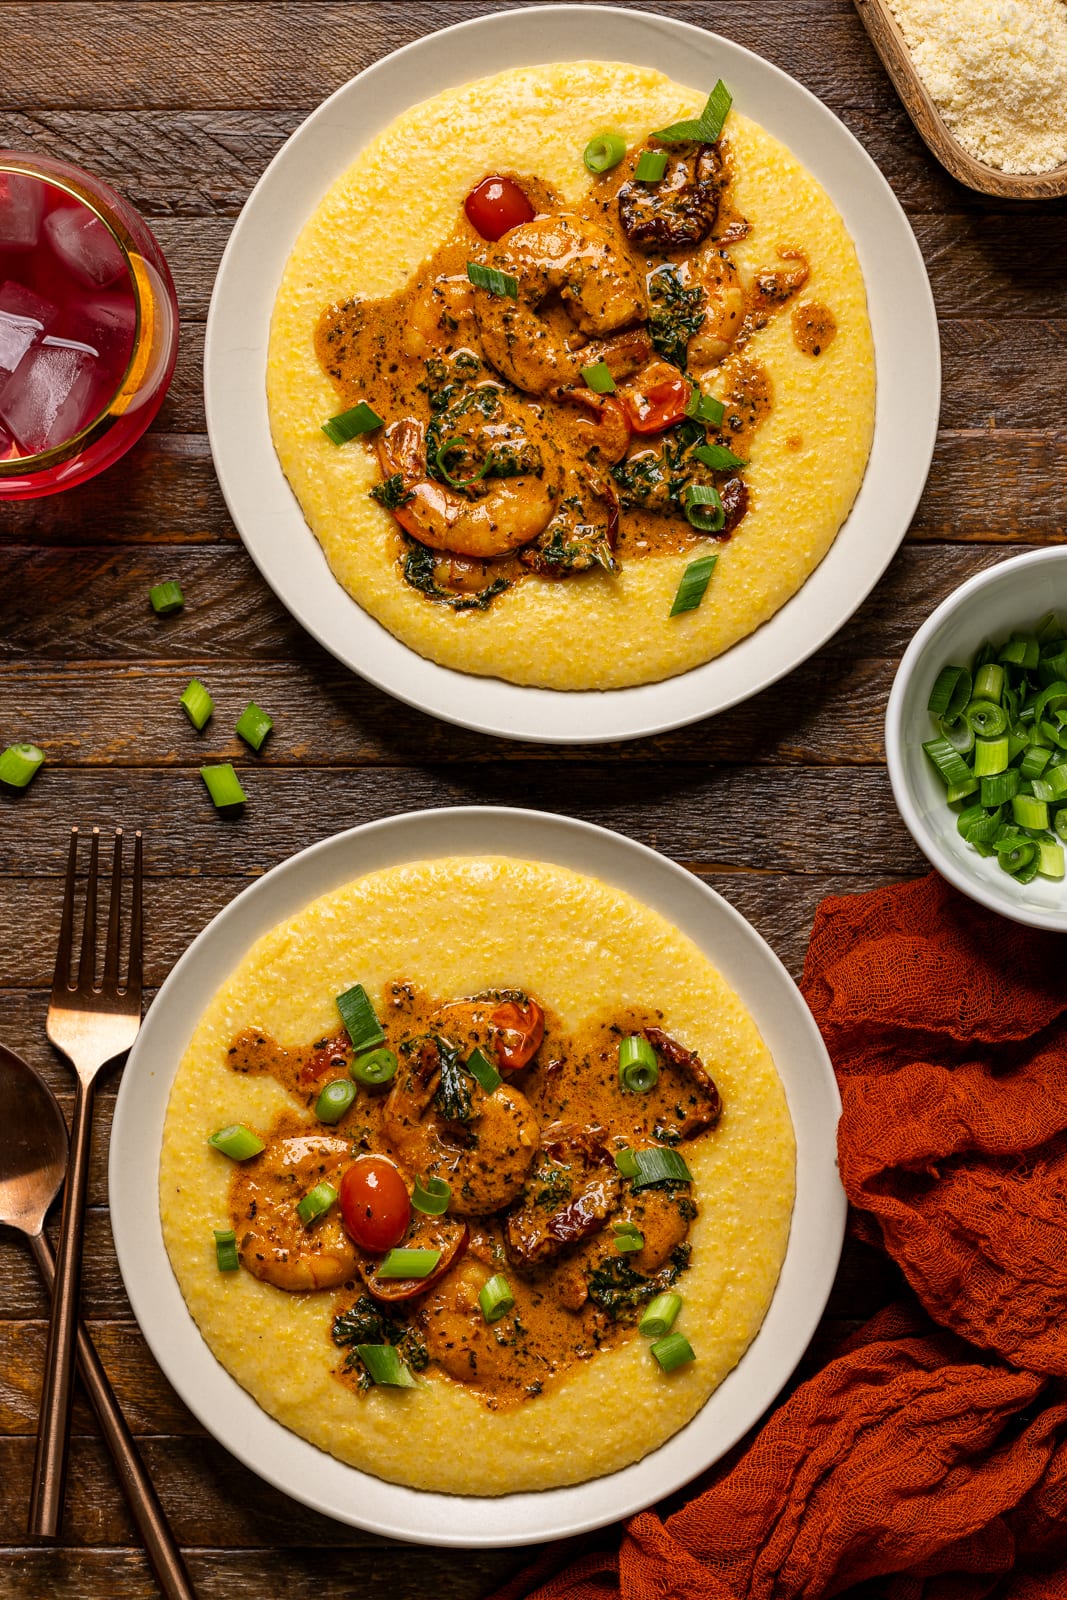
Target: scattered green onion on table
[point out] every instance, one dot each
(166, 598)
(19, 764)
(1000, 749)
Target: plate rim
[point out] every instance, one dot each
(200, 1380)
(908, 398)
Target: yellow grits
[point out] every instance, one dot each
(457, 926)
(390, 210)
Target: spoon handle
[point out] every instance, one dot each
(137, 1486)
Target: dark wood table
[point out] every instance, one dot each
(775, 804)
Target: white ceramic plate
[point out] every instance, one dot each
(270, 520)
(291, 1463)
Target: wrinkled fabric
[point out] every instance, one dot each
(928, 1459)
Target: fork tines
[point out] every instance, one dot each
(86, 982)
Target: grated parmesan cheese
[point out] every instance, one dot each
(997, 70)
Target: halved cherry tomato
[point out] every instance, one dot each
(375, 1203)
(517, 1032)
(495, 206)
(446, 1234)
(657, 407)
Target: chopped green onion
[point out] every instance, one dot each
(223, 786)
(409, 1264)
(949, 763)
(598, 378)
(626, 1160)
(431, 1197)
(483, 1071)
(987, 720)
(384, 1366)
(253, 725)
(1000, 788)
(989, 682)
(1020, 651)
(694, 582)
(237, 1142)
(166, 598)
(604, 151)
(496, 1298)
(942, 692)
(696, 499)
(1028, 812)
(704, 408)
(493, 279)
(334, 1100)
(1016, 853)
(638, 1067)
(706, 128)
(357, 1014)
(960, 791)
(316, 1203)
(376, 1068)
(1035, 761)
(19, 763)
(990, 756)
(659, 1316)
(628, 1237)
(197, 703)
(226, 1249)
(673, 1351)
(1050, 862)
(717, 457)
(657, 1165)
(350, 424)
(445, 451)
(959, 734)
(651, 165)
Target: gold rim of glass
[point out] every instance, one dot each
(25, 466)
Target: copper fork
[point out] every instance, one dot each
(90, 1022)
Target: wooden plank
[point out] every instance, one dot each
(102, 1295)
(148, 1402)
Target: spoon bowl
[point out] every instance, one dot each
(33, 1148)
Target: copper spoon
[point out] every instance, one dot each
(33, 1163)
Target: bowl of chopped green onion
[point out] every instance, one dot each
(976, 738)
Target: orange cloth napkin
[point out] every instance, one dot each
(916, 1464)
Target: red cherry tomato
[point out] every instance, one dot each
(657, 407)
(375, 1203)
(517, 1032)
(495, 206)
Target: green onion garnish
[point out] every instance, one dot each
(385, 1366)
(704, 507)
(628, 1237)
(377, 1067)
(673, 1351)
(335, 1099)
(659, 1165)
(223, 786)
(357, 1014)
(237, 1142)
(253, 725)
(316, 1203)
(717, 457)
(197, 703)
(705, 408)
(693, 583)
(226, 1249)
(483, 1071)
(626, 1162)
(19, 763)
(598, 378)
(604, 151)
(1029, 813)
(459, 483)
(988, 682)
(985, 718)
(659, 1315)
(496, 1298)
(944, 692)
(166, 598)
(493, 279)
(431, 1197)
(950, 764)
(651, 165)
(638, 1067)
(350, 424)
(409, 1264)
(706, 128)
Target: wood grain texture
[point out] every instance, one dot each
(775, 804)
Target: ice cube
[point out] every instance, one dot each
(83, 244)
(7, 445)
(23, 302)
(106, 322)
(21, 206)
(52, 394)
(24, 316)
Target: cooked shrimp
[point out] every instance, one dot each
(440, 319)
(561, 263)
(442, 1124)
(724, 309)
(488, 518)
(272, 1242)
(682, 207)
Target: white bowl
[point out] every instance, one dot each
(1012, 594)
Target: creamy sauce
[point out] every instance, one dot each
(813, 328)
(554, 1236)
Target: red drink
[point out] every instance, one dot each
(88, 326)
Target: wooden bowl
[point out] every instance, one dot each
(897, 59)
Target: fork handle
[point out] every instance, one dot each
(53, 1426)
(137, 1486)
